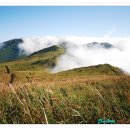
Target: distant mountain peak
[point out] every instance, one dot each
(104, 45)
(10, 51)
(12, 41)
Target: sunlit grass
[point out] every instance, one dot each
(73, 97)
(78, 102)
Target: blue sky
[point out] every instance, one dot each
(29, 21)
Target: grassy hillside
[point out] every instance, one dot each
(30, 94)
(101, 69)
(65, 98)
(42, 59)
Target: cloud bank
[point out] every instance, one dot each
(31, 45)
(78, 54)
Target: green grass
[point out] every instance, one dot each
(104, 69)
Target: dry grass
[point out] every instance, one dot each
(65, 100)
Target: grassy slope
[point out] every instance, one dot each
(104, 69)
(80, 95)
(81, 99)
(37, 61)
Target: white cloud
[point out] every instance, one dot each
(78, 55)
(34, 44)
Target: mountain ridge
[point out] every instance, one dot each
(47, 58)
(10, 50)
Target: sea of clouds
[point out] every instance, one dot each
(79, 55)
